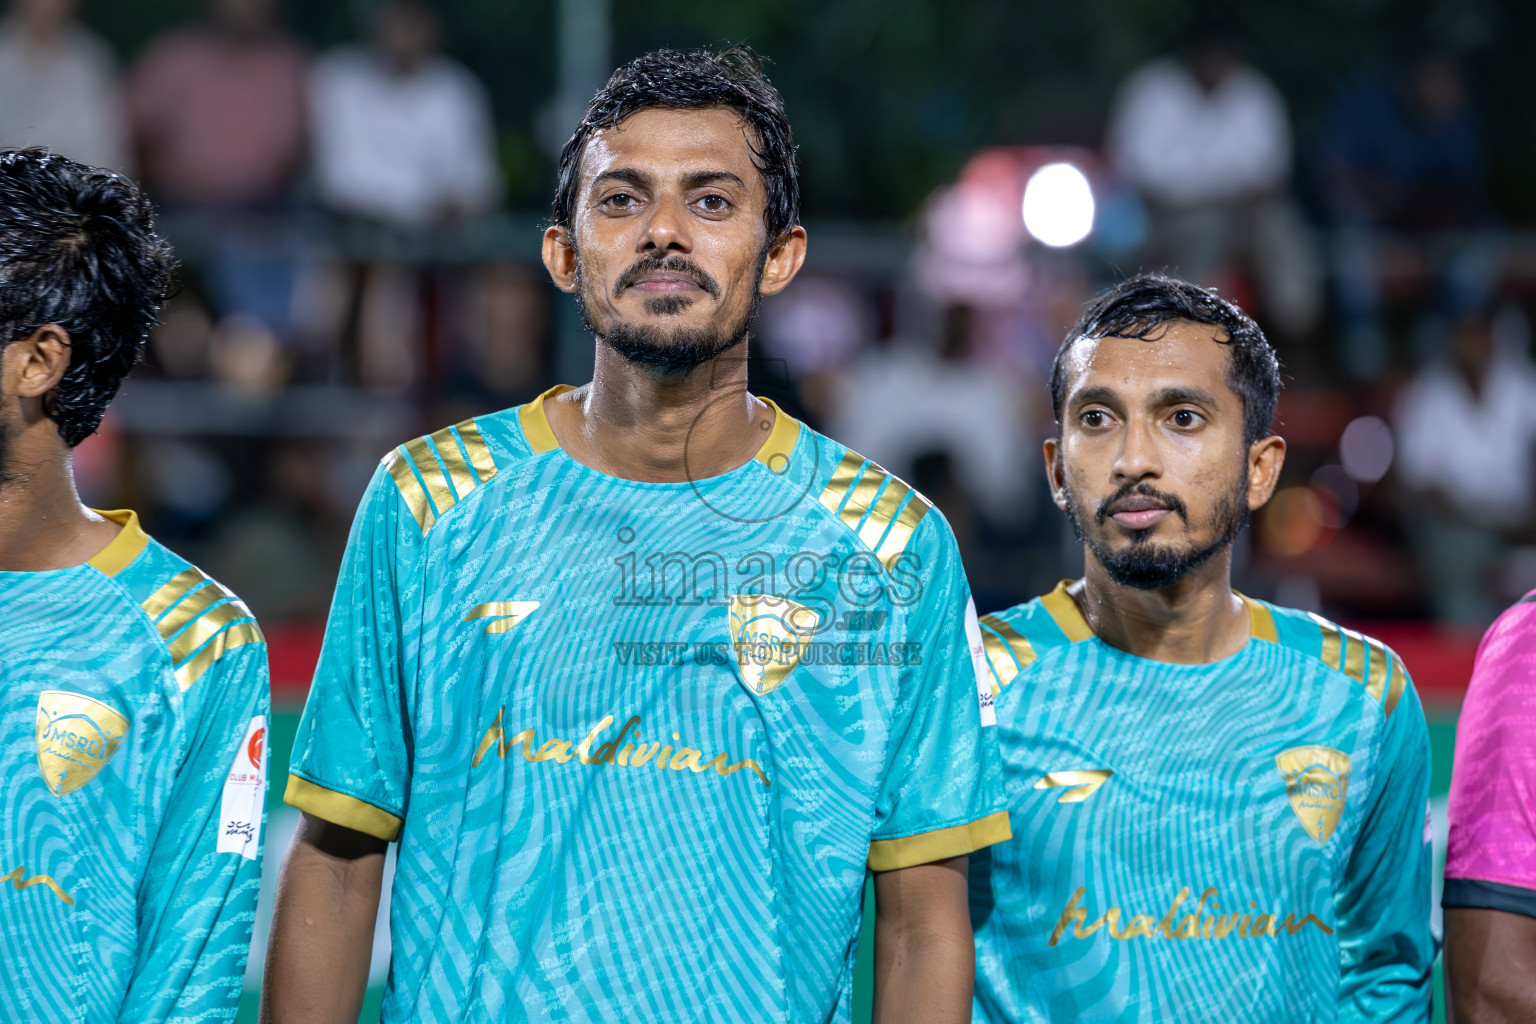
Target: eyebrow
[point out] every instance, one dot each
(1162, 397)
(628, 175)
(698, 179)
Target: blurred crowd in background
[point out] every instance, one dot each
(352, 276)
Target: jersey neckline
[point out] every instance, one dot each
(1070, 620)
(774, 452)
(112, 559)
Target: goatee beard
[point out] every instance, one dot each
(664, 354)
(1144, 565)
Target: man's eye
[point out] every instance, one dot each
(1187, 418)
(1094, 418)
(620, 200)
(715, 204)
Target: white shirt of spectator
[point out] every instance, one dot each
(64, 97)
(1478, 454)
(1182, 146)
(401, 148)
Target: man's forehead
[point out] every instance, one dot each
(1178, 352)
(673, 141)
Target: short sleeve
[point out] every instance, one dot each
(941, 795)
(1491, 857)
(351, 762)
(197, 900)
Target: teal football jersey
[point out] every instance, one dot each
(133, 703)
(639, 742)
(1241, 840)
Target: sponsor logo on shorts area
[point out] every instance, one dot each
(76, 736)
(1317, 782)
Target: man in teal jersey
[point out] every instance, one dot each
(1219, 806)
(644, 676)
(133, 689)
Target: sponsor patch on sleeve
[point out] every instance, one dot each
(979, 665)
(244, 793)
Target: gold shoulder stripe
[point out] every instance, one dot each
(1399, 684)
(927, 847)
(238, 635)
(1066, 613)
(1376, 675)
(1354, 655)
(882, 509)
(781, 439)
(443, 473)
(1007, 651)
(190, 610)
(340, 809)
(124, 548)
(536, 424)
(1261, 622)
(1333, 641)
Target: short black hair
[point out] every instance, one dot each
(78, 249)
(1139, 305)
(695, 80)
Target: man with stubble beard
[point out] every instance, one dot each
(644, 675)
(1218, 805)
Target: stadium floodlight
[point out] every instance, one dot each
(1058, 205)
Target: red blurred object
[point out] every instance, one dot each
(1439, 659)
(293, 649)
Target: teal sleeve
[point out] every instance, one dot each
(196, 902)
(941, 795)
(1386, 950)
(351, 763)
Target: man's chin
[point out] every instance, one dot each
(1145, 564)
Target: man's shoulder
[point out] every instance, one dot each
(1361, 661)
(1016, 638)
(197, 619)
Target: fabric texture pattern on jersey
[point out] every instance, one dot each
(1240, 840)
(133, 705)
(639, 742)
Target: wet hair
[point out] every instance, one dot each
(1137, 307)
(695, 80)
(78, 249)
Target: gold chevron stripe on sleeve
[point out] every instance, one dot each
(173, 590)
(927, 847)
(459, 474)
(410, 489)
(862, 495)
(842, 479)
(1399, 684)
(238, 635)
(195, 604)
(1007, 651)
(1354, 655)
(1333, 641)
(479, 451)
(340, 809)
(883, 512)
(896, 540)
(205, 626)
(420, 453)
(1376, 675)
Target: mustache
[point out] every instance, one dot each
(1173, 501)
(671, 263)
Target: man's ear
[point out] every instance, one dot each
(783, 262)
(1266, 457)
(560, 258)
(34, 365)
(1055, 472)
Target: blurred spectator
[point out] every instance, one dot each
(1206, 141)
(219, 108)
(219, 112)
(1467, 438)
(1404, 156)
(911, 400)
(60, 85)
(403, 133)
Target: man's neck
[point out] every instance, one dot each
(629, 423)
(1196, 621)
(43, 525)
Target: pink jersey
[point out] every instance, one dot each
(1491, 859)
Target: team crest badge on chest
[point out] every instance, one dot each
(769, 635)
(1317, 781)
(76, 736)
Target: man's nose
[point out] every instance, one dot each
(666, 227)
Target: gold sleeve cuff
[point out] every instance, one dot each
(927, 847)
(340, 809)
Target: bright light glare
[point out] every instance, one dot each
(1058, 205)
